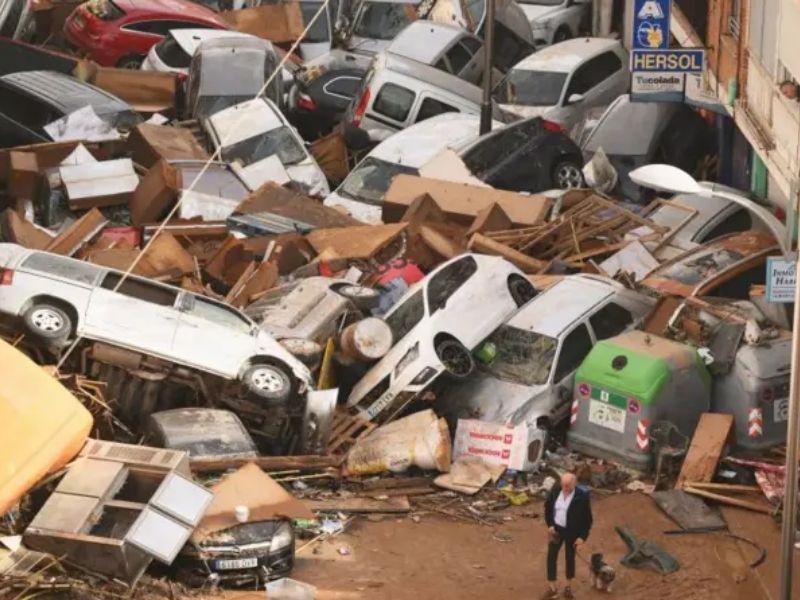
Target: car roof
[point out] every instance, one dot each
(235, 42)
(190, 39)
(180, 9)
(565, 56)
(416, 145)
(562, 304)
(261, 115)
(430, 75)
(425, 40)
(64, 92)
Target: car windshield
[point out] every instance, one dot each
(370, 180)
(406, 316)
(523, 357)
(701, 267)
(383, 20)
(532, 88)
(319, 30)
(278, 141)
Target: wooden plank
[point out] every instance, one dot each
(757, 507)
(394, 504)
(712, 432)
(480, 243)
(730, 487)
(396, 482)
(267, 463)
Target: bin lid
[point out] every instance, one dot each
(637, 364)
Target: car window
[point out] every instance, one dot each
(458, 57)
(593, 72)
(344, 87)
(320, 30)
(394, 102)
(406, 316)
(216, 313)
(383, 20)
(574, 349)
(445, 283)
(371, 178)
(521, 356)
(61, 267)
(532, 88)
(738, 287)
(280, 141)
(171, 53)
(610, 320)
(701, 266)
(443, 65)
(140, 289)
(509, 48)
(153, 27)
(431, 107)
(581, 81)
(738, 221)
(26, 110)
(471, 44)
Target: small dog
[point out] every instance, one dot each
(603, 574)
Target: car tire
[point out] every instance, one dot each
(130, 62)
(362, 297)
(563, 34)
(268, 382)
(48, 322)
(522, 291)
(457, 360)
(567, 175)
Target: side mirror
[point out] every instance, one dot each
(575, 99)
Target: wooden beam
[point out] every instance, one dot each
(267, 463)
(480, 243)
(704, 453)
(757, 507)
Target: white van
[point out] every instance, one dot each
(362, 192)
(59, 298)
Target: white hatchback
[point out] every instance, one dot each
(59, 298)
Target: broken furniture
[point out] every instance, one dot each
(117, 508)
(669, 445)
(628, 383)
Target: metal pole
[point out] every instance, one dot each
(789, 528)
(488, 63)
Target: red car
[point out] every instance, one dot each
(119, 33)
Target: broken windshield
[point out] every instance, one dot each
(523, 357)
(702, 267)
(532, 88)
(370, 180)
(384, 20)
(278, 141)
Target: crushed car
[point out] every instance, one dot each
(435, 327)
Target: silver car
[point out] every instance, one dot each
(59, 298)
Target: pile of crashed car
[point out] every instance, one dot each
(232, 255)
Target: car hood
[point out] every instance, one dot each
(526, 112)
(248, 533)
(310, 176)
(366, 213)
(538, 12)
(482, 396)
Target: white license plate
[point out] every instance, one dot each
(780, 410)
(607, 416)
(236, 563)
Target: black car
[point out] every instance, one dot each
(319, 99)
(254, 551)
(532, 155)
(29, 100)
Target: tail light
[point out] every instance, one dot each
(6, 276)
(306, 102)
(361, 108)
(181, 77)
(553, 126)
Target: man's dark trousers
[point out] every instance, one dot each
(553, 549)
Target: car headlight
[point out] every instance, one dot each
(283, 537)
(411, 356)
(541, 25)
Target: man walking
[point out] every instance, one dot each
(568, 515)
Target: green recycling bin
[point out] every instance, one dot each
(628, 383)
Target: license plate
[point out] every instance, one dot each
(236, 563)
(780, 410)
(607, 416)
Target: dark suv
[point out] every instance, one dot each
(29, 100)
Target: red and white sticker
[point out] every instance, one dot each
(633, 406)
(755, 423)
(573, 415)
(642, 437)
(584, 389)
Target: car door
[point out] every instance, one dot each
(134, 313)
(595, 81)
(461, 59)
(202, 326)
(430, 107)
(575, 347)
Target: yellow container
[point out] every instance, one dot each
(42, 425)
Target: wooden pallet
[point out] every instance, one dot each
(347, 429)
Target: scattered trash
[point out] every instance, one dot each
(643, 553)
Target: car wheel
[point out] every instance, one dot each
(268, 382)
(521, 290)
(567, 175)
(562, 34)
(130, 62)
(48, 322)
(363, 297)
(456, 359)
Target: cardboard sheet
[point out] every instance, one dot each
(250, 487)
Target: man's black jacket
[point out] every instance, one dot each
(579, 513)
